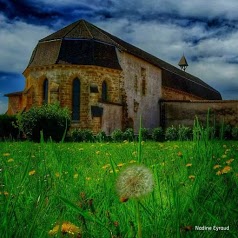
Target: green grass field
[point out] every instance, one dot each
(69, 190)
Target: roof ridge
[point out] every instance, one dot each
(58, 53)
(84, 22)
(77, 22)
(107, 34)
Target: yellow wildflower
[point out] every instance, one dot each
(32, 172)
(10, 160)
(218, 172)
(120, 165)
(227, 151)
(217, 166)
(192, 177)
(57, 174)
(111, 171)
(132, 161)
(66, 228)
(70, 228)
(106, 166)
(229, 161)
(188, 165)
(6, 154)
(226, 169)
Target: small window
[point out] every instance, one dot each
(76, 100)
(143, 81)
(143, 73)
(45, 91)
(143, 87)
(136, 83)
(104, 91)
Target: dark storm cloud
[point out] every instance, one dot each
(49, 12)
(28, 11)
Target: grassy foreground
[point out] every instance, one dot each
(68, 190)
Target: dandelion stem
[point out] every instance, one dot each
(139, 226)
(139, 144)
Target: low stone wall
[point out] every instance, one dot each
(184, 112)
(112, 117)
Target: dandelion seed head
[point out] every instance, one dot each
(134, 182)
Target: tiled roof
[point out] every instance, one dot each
(13, 94)
(85, 36)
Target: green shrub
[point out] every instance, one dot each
(50, 118)
(145, 134)
(80, 135)
(226, 132)
(76, 135)
(184, 133)
(158, 134)
(7, 128)
(234, 133)
(117, 135)
(171, 133)
(128, 134)
(88, 135)
(101, 136)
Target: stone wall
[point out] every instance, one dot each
(141, 91)
(184, 112)
(112, 117)
(60, 81)
(15, 104)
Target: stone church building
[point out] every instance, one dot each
(106, 82)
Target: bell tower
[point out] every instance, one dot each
(183, 63)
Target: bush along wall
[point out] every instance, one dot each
(82, 135)
(7, 128)
(234, 133)
(158, 134)
(52, 119)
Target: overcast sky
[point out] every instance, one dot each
(205, 31)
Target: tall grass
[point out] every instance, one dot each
(47, 184)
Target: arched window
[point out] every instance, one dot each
(45, 91)
(76, 100)
(104, 91)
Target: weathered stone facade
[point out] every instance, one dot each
(141, 98)
(116, 82)
(60, 80)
